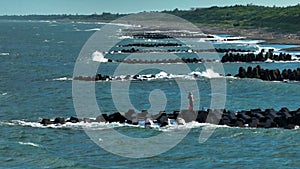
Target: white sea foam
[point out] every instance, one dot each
(269, 60)
(104, 126)
(93, 29)
(125, 37)
(209, 73)
(62, 79)
(98, 57)
(290, 61)
(191, 125)
(161, 75)
(4, 54)
(30, 144)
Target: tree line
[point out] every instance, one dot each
(240, 16)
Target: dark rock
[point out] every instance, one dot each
(271, 113)
(142, 116)
(249, 72)
(46, 121)
(201, 116)
(116, 117)
(163, 121)
(214, 116)
(225, 121)
(284, 118)
(176, 113)
(242, 73)
(290, 126)
(254, 122)
(231, 114)
(102, 118)
(59, 120)
(129, 114)
(240, 123)
(243, 115)
(188, 115)
(73, 119)
(87, 120)
(269, 75)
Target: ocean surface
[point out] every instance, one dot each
(37, 60)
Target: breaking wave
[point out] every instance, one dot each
(93, 29)
(62, 79)
(4, 54)
(103, 126)
(209, 73)
(29, 144)
(99, 57)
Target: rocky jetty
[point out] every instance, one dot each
(147, 50)
(151, 45)
(260, 57)
(183, 60)
(161, 75)
(98, 77)
(254, 118)
(269, 74)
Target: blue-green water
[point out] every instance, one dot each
(35, 54)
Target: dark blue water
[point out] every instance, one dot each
(35, 54)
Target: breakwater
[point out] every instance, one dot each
(269, 74)
(147, 49)
(179, 60)
(260, 57)
(255, 118)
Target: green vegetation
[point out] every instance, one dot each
(250, 16)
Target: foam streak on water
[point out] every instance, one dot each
(29, 143)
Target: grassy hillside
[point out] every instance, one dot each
(250, 16)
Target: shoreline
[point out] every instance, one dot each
(270, 37)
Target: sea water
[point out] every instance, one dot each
(36, 67)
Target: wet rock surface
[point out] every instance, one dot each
(260, 57)
(269, 74)
(254, 118)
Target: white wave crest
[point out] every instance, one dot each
(103, 126)
(294, 59)
(99, 57)
(62, 79)
(209, 73)
(4, 54)
(93, 29)
(30, 144)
